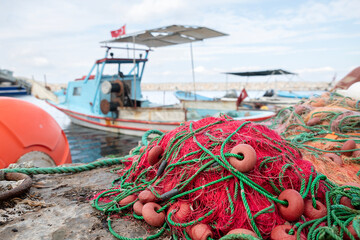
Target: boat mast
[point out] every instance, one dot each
(192, 67)
(135, 68)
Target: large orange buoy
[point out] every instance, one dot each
(29, 133)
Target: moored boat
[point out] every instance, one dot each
(110, 98)
(271, 99)
(9, 86)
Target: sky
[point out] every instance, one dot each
(60, 40)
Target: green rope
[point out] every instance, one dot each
(72, 169)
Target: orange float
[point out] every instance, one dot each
(295, 207)
(138, 206)
(248, 163)
(152, 217)
(155, 154)
(29, 133)
(146, 196)
(281, 232)
(242, 231)
(314, 212)
(348, 145)
(127, 200)
(181, 211)
(335, 158)
(356, 154)
(300, 109)
(201, 231)
(313, 121)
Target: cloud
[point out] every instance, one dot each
(315, 70)
(60, 38)
(40, 61)
(151, 9)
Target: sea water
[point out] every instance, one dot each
(86, 144)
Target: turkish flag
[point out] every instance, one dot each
(119, 32)
(241, 97)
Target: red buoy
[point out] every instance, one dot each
(155, 154)
(29, 133)
(248, 163)
(300, 109)
(314, 212)
(242, 231)
(281, 232)
(348, 145)
(313, 121)
(201, 231)
(151, 216)
(138, 206)
(127, 200)
(146, 196)
(295, 207)
(181, 211)
(335, 158)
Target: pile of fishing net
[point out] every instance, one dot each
(218, 178)
(326, 130)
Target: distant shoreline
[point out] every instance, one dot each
(217, 86)
(213, 86)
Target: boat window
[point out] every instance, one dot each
(77, 91)
(113, 70)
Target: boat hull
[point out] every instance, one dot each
(134, 127)
(131, 120)
(209, 104)
(13, 91)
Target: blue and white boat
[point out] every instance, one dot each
(9, 86)
(110, 98)
(271, 92)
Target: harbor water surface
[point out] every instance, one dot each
(86, 144)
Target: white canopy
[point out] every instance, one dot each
(170, 35)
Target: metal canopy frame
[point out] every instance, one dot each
(169, 35)
(262, 73)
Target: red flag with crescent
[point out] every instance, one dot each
(119, 32)
(241, 97)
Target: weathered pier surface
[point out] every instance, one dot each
(57, 207)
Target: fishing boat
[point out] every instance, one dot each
(10, 86)
(270, 99)
(110, 98)
(273, 96)
(189, 99)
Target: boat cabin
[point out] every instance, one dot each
(111, 83)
